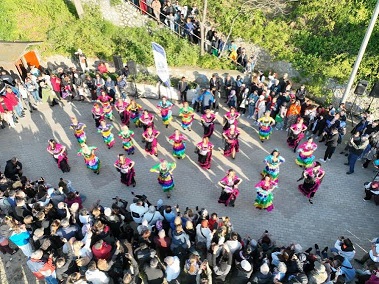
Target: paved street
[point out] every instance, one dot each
(338, 207)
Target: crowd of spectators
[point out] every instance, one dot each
(65, 241)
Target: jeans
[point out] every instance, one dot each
(251, 110)
(280, 125)
(352, 159)
(51, 280)
(365, 151)
(36, 96)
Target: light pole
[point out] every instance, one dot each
(361, 52)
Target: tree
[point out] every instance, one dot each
(79, 8)
(202, 27)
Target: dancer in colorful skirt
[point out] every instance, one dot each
(231, 117)
(165, 107)
(230, 191)
(58, 151)
(231, 141)
(134, 110)
(121, 107)
(78, 130)
(312, 180)
(306, 158)
(265, 197)
(105, 102)
(91, 160)
(296, 133)
(178, 145)
(146, 119)
(105, 130)
(204, 151)
(126, 168)
(265, 126)
(207, 120)
(126, 136)
(97, 114)
(165, 179)
(273, 161)
(150, 137)
(187, 114)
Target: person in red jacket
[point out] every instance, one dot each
(56, 84)
(102, 250)
(102, 68)
(42, 270)
(6, 111)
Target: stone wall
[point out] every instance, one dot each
(123, 15)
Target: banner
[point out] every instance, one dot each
(161, 63)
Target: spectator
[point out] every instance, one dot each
(172, 268)
(13, 169)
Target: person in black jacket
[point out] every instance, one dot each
(13, 169)
(153, 272)
(331, 143)
(221, 265)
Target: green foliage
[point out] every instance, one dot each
(56, 24)
(115, 2)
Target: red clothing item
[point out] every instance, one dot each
(103, 253)
(162, 243)
(373, 280)
(102, 68)
(77, 199)
(35, 264)
(212, 223)
(8, 102)
(56, 83)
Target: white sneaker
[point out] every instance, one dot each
(328, 159)
(322, 160)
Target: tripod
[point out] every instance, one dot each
(135, 89)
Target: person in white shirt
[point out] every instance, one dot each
(371, 259)
(95, 276)
(233, 243)
(138, 209)
(172, 268)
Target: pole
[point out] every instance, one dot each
(361, 52)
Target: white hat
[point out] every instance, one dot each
(261, 97)
(319, 267)
(264, 268)
(169, 260)
(107, 211)
(245, 265)
(145, 223)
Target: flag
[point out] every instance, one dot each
(161, 63)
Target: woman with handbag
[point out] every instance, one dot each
(58, 151)
(230, 191)
(126, 168)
